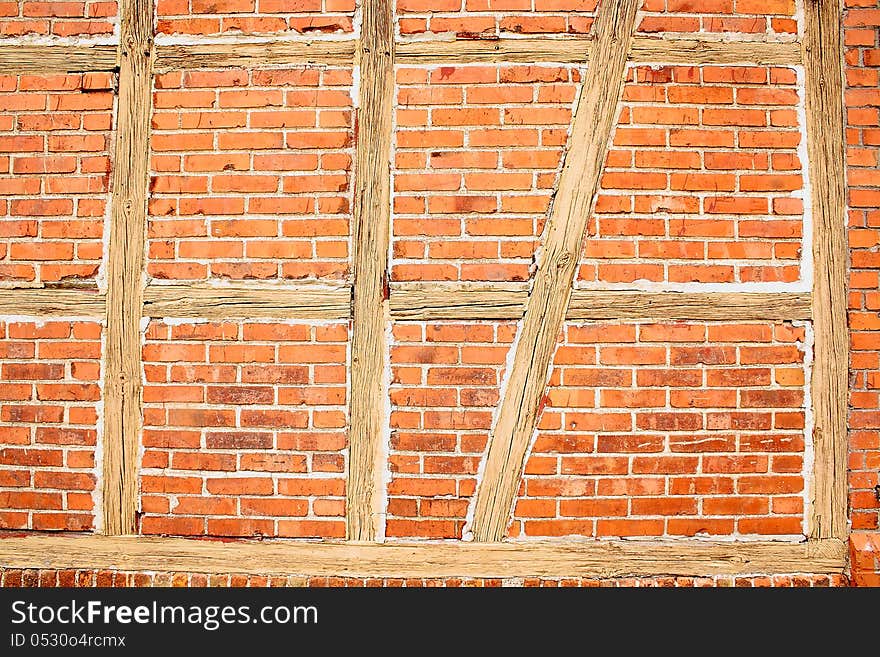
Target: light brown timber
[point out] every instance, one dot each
(370, 239)
(122, 361)
(693, 52)
(426, 301)
(47, 302)
(823, 57)
(644, 50)
(243, 302)
(599, 559)
(254, 55)
(58, 58)
(562, 245)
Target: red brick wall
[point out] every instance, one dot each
(670, 430)
(251, 174)
(50, 401)
(648, 430)
(445, 386)
(57, 18)
(863, 138)
(704, 181)
(477, 153)
(54, 176)
(244, 429)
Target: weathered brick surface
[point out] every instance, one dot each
(12, 577)
(775, 18)
(669, 430)
(251, 174)
(492, 18)
(54, 175)
(704, 182)
(244, 429)
(477, 154)
(50, 400)
(863, 155)
(206, 17)
(444, 389)
(58, 18)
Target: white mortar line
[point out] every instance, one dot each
(809, 421)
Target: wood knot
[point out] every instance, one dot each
(564, 260)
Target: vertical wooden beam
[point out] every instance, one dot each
(371, 230)
(122, 375)
(562, 245)
(823, 57)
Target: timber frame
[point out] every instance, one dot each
(370, 303)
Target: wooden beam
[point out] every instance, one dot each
(657, 50)
(644, 50)
(254, 55)
(823, 57)
(370, 240)
(43, 302)
(562, 245)
(125, 260)
(425, 301)
(57, 58)
(251, 301)
(705, 306)
(593, 559)
(462, 301)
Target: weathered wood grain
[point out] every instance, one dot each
(57, 58)
(823, 57)
(371, 235)
(644, 50)
(254, 55)
(248, 301)
(427, 301)
(47, 302)
(459, 559)
(125, 261)
(562, 244)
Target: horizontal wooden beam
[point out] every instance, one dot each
(66, 58)
(254, 55)
(427, 301)
(650, 50)
(592, 559)
(413, 302)
(59, 58)
(709, 306)
(644, 50)
(48, 302)
(242, 302)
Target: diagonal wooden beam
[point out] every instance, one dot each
(823, 57)
(370, 238)
(125, 260)
(562, 245)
